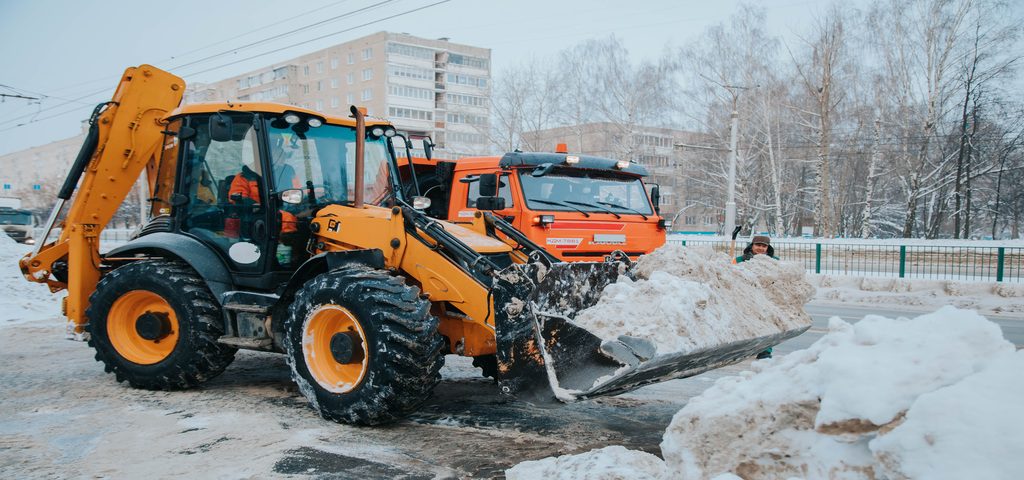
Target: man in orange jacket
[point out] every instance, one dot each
(245, 189)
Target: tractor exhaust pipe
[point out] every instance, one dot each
(360, 117)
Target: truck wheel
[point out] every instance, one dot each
(155, 325)
(363, 346)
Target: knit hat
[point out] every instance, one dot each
(761, 239)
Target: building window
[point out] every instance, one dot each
(334, 64)
(466, 119)
(411, 113)
(335, 102)
(305, 88)
(350, 99)
(319, 105)
(411, 51)
(367, 94)
(305, 70)
(319, 85)
(350, 78)
(334, 83)
(410, 92)
(462, 137)
(468, 61)
(471, 100)
(367, 53)
(410, 72)
(319, 67)
(458, 79)
(351, 58)
(367, 74)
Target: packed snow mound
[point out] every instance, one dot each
(967, 430)
(933, 397)
(22, 300)
(609, 463)
(688, 298)
(842, 408)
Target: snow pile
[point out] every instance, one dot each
(687, 298)
(985, 297)
(22, 300)
(934, 397)
(609, 463)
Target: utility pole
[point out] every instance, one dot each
(730, 203)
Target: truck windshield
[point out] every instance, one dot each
(324, 157)
(584, 190)
(15, 217)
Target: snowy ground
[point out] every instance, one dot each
(894, 401)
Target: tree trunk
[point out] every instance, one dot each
(970, 163)
(869, 188)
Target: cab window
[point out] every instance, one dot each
(504, 191)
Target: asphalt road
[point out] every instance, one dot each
(61, 417)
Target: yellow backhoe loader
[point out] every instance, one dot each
(282, 229)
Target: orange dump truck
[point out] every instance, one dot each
(579, 207)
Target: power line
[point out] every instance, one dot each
(281, 35)
(15, 119)
(322, 37)
(105, 89)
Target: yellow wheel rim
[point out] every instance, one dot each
(124, 333)
(323, 325)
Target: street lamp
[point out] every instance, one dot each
(730, 202)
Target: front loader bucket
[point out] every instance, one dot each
(542, 355)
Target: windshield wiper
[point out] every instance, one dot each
(548, 202)
(624, 208)
(585, 204)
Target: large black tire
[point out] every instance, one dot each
(394, 346)
(188, 322)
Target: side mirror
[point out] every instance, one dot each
(186, 133)
(221, 128)
(420, 203)
(428, 148)
(488, 185)
(656, 198)
(490, 203)
(542, 170)
(292, 196)
(178, 200)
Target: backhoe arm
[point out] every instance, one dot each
(124, 138)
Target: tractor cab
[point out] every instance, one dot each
(247, 183)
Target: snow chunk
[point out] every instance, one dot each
(687, 298)
(609, 463)
(971, 429)
(813, 413)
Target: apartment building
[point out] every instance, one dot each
(425, 87)
(682, 194)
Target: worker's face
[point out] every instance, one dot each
(760, 248)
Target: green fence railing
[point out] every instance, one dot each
(937, 262)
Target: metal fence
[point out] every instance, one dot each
(964, 263)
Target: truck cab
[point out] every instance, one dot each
(579, 207)
(18, 224)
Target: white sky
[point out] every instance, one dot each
(67, 50)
